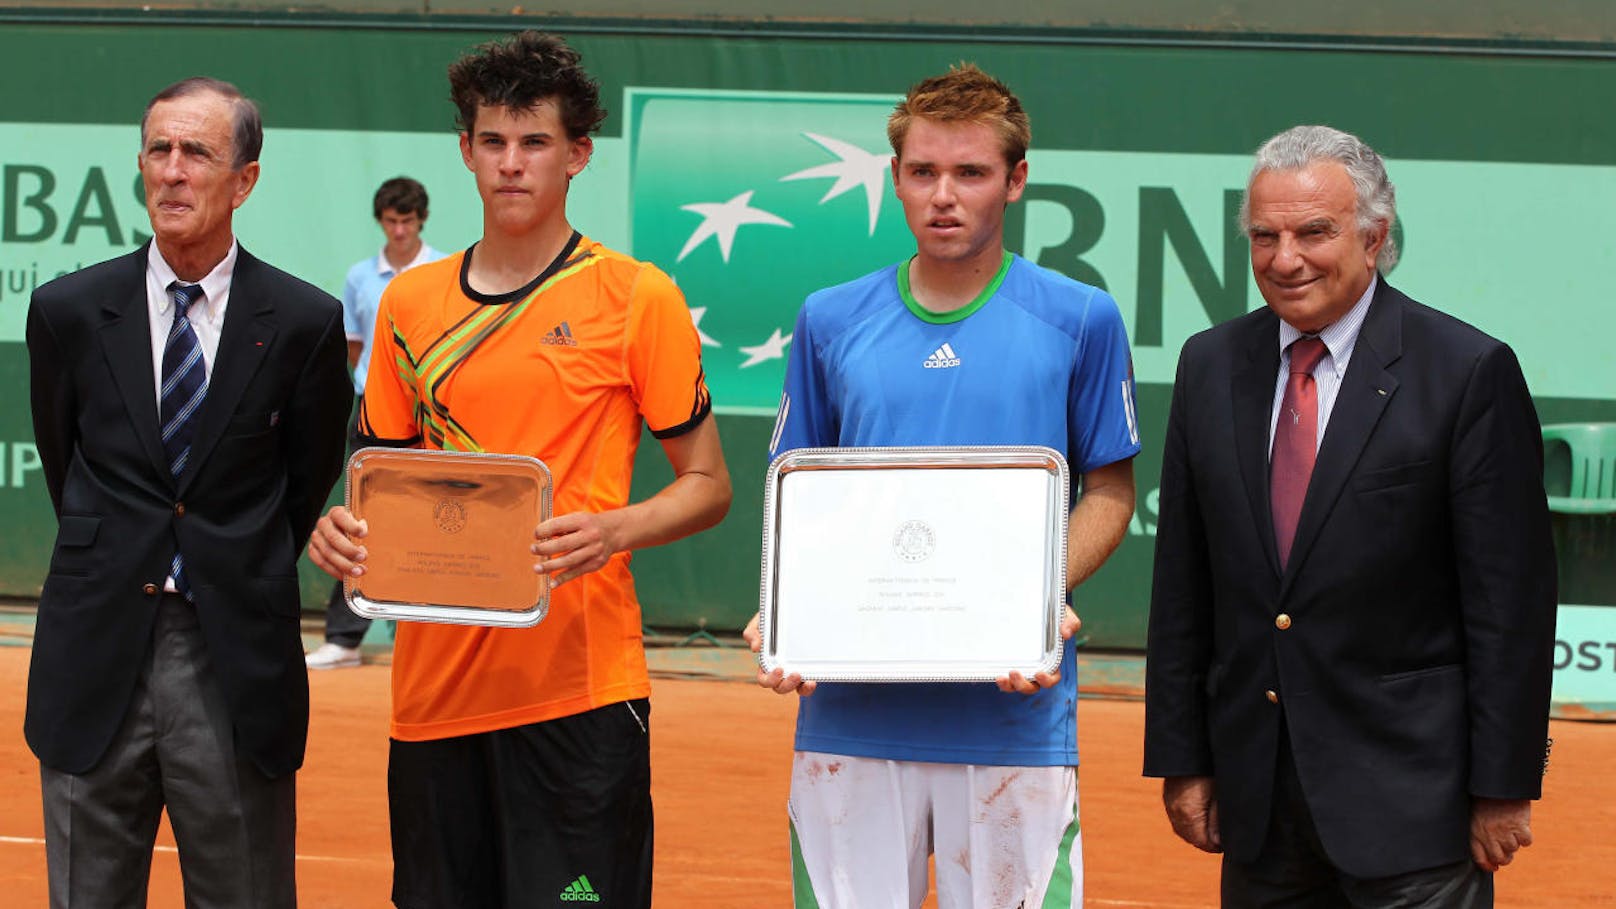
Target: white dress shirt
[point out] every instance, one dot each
(207, 320)
(1339, 340)
(207, 317)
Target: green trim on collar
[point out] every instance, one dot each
(958, 315)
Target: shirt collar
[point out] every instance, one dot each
(215, 283)
(384, 268)
(1340, 336)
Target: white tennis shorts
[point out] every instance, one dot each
(863, 828)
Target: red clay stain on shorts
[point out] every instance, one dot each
(1007, 882)
(814, 770)
(834, 769)
(1003, 785)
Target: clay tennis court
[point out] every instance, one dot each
(720, 756)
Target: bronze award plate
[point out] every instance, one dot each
(449, 536)
(914, 564)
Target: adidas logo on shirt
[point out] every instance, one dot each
(560, 335)
(579, 891)
(942, 358)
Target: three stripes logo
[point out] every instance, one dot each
(560, 336)
(580, 891)
(942, 358)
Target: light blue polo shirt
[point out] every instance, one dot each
(362, 297)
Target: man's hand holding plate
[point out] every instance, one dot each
(575, 544)
(1019, 683)
(334, 546)
(776, 681)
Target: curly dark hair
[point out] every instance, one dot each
(519, 72)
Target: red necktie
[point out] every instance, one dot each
(1295, 443)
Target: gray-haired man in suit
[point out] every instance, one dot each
(1352, 624)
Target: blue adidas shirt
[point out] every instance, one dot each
(1036, 359)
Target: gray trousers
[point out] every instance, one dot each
(234, 826)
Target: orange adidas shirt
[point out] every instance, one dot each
(564, 372)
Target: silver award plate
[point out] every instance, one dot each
(914, 564)
(449, 536)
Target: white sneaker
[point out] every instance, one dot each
(332, 656)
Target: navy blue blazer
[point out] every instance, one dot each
(1413, 671)
(268, 447)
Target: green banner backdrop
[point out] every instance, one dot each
(754, 170)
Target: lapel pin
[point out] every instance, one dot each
(1381, 392)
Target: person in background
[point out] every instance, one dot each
(400, 209)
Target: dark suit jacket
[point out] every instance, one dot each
(268, 447)
(1421, 591)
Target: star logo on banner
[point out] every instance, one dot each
(772, 349)
(857, 167)
(696, 312)
(723, 219)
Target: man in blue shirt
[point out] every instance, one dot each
(964, 344)
(400, 208)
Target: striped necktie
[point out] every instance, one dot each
(185, 384)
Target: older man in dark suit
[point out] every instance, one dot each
(1353, 615)
(189, 404)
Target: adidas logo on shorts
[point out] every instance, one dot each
(579, 891)
(942, 358)
(560, 335)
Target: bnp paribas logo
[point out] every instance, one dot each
(752, 201)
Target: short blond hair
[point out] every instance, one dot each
(964, 94)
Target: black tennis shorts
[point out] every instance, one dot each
(552, 814)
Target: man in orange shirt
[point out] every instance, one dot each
(520, 772)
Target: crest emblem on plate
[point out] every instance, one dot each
(914, 541)
(450, 515)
